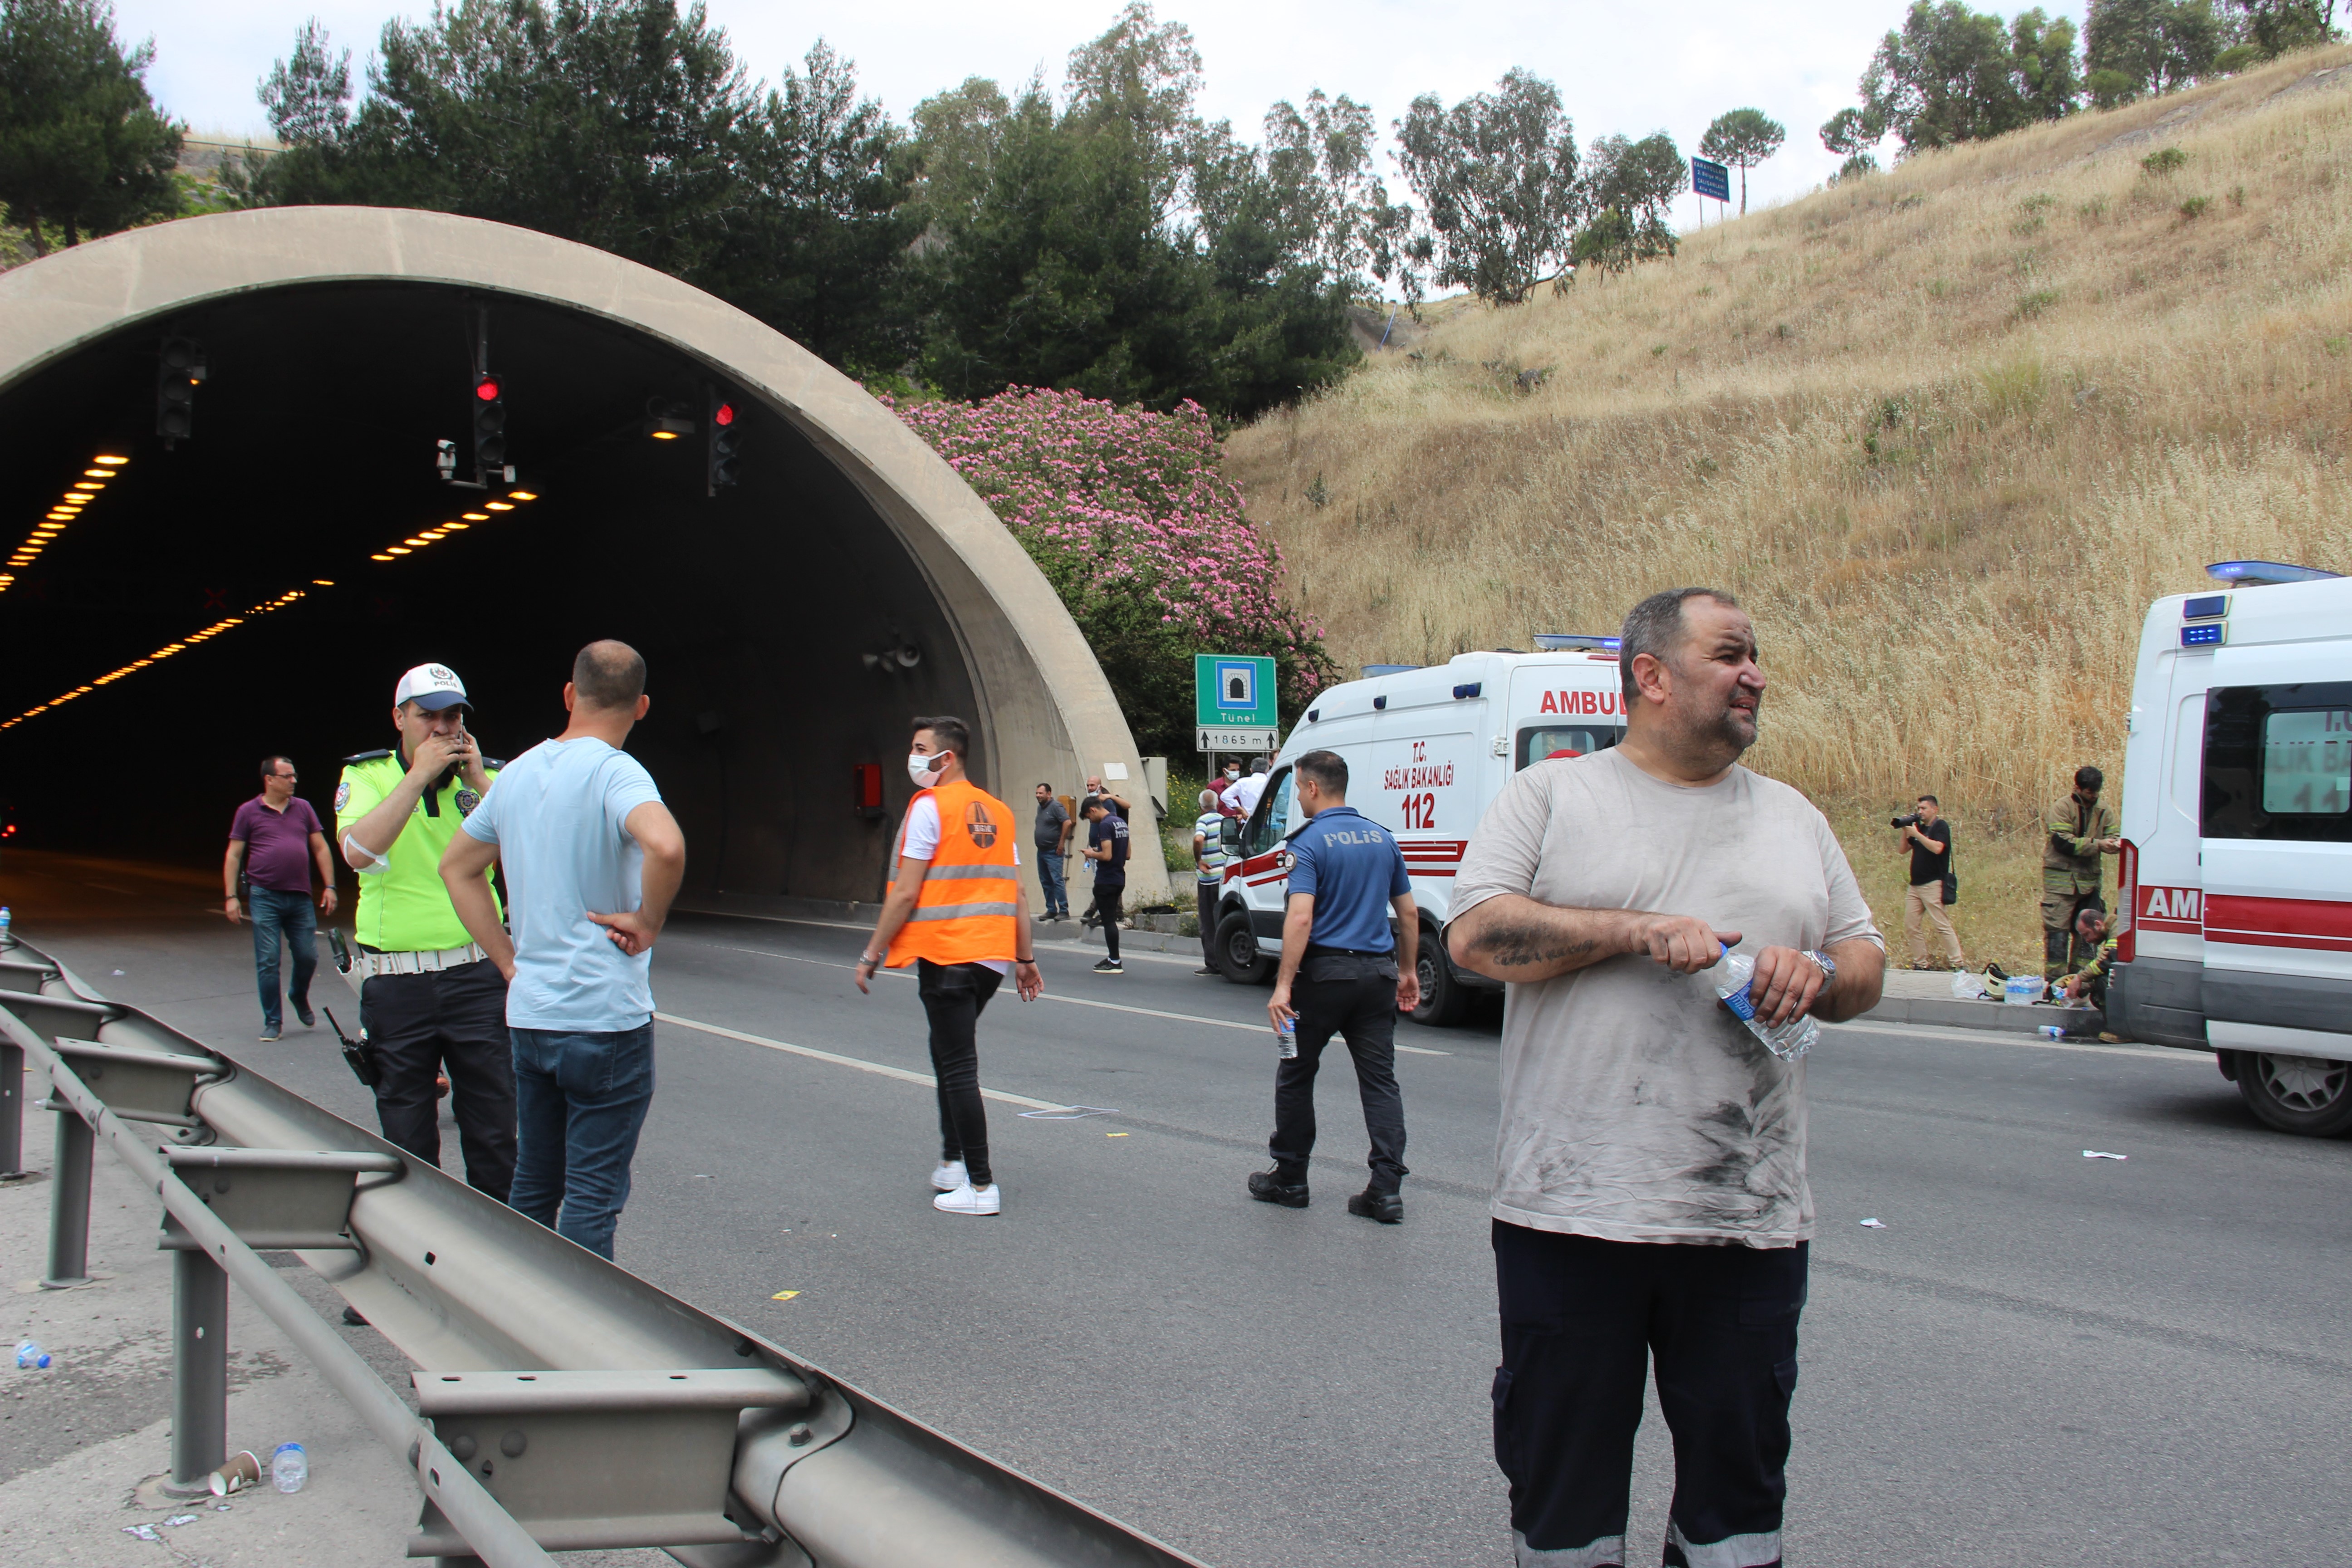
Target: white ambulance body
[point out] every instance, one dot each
(1427, 750)
(2237, 827)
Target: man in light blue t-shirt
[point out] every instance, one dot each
(581, 829)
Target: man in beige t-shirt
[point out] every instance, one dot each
(1650, 1194)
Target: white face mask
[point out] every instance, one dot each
(922, 767)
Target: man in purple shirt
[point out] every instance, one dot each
(274, 841)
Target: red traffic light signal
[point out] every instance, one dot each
(487, 389)
(723, 415)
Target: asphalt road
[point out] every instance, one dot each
(2039, 1359)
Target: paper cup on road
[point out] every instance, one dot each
(242, 1470)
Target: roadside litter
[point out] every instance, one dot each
(1068, 1113)
(142, 1533)
(2052, 1031)
(1967, 987)
(30, 1355)
(289, 1467)
(2103, 1154)
(242, 1470)
(1874, 1225)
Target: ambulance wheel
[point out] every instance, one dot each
(2309, 1095)
(1444, 1000)
(1237, 957)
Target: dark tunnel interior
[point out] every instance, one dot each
(312, 451)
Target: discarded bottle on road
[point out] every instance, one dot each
(7, 920)
(1787, 1041)
(1285, 1040)
(30, 1355)
(289, 1468)
(2052, 1031)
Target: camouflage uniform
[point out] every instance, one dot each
(2070, 878)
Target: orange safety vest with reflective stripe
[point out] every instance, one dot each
(969, 906)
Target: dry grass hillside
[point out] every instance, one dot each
(1945, 430)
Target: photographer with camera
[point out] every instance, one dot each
(1926, 838)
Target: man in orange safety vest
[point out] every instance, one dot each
(956, 911)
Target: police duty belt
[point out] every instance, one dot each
(366, 965)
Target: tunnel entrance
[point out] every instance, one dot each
(260, 584)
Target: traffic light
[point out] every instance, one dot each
(178, 368)
(724, 463)
(489, 424)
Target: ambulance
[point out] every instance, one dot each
(2237, 826)
(1427, 750)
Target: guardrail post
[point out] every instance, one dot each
(199, 1371)
(69, 1203)
(12, 1111)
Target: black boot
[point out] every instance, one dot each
(1373, 1204)
(1288, 1188)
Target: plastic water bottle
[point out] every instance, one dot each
(1285, 1040)
(1787, 1041)
(289, 1468)
(8, 919)
(30, 1355)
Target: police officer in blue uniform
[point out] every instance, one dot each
(1341, 973)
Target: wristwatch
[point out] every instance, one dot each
(1825, 963)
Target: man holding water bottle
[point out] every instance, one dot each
(1341, 975)
(1650, 1193)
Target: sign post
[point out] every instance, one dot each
(1709, 178)
(1233, 703)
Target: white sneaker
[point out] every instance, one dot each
(949, 1176)
(967, 1199)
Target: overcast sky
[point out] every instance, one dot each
(1620, 67)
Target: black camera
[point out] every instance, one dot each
(1910, 821)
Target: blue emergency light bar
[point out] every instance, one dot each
(2205, 633)
(2205, 607)
(1562, 642)
(2263, 573)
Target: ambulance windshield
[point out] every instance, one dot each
(1542, 742)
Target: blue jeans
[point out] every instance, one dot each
(282, 918)
(580, 1102)
(1050, 874)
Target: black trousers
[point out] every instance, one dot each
(418, 1024)
(1363, 1011)
(954, 994)
(1205, 900)
(1106, 909)
(1581, 1319)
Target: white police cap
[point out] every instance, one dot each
(431, 687)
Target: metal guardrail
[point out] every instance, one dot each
(566, 1404)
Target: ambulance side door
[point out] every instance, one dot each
(1264, 868)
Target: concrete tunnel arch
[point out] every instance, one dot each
(338, 348)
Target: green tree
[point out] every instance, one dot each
(1628, 187)
(2134, 48)
(1496, 178)
(625, 124)
(1119, 247)
(81, 145)
(1952, 75)
(1742, 138)
(2270, 27)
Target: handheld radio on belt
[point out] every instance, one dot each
(355, 1052)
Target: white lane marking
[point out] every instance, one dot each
(1998, 1038)
(1071, 945)
(1049, 997)
(902, 1074)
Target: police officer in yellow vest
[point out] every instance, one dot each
(428, 994)
(957, 912)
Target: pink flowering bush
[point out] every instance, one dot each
(1129, 516)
